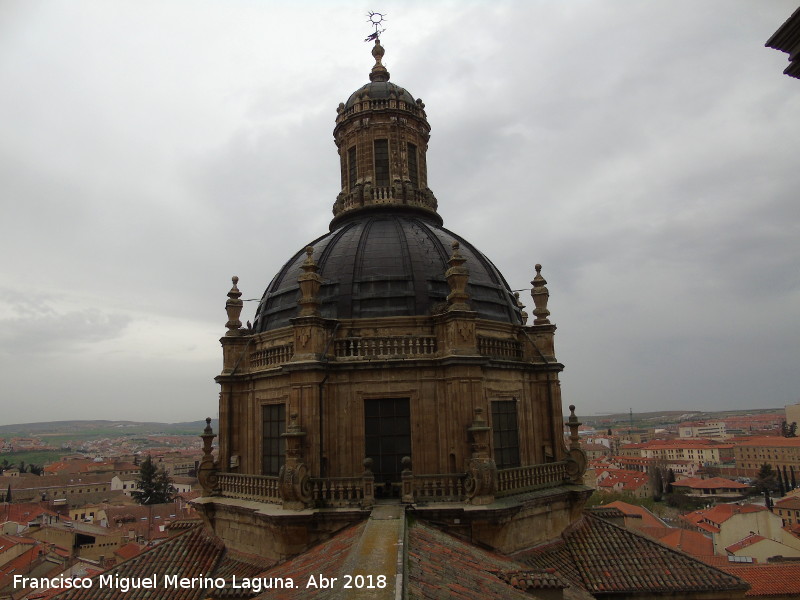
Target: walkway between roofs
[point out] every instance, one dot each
(379, 551)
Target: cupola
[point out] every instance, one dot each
(382, 135)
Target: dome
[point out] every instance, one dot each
(379, 90)
(386, 264)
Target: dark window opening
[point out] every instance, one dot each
(387, 439)
(352, 168)
(274, 444)
(413, 173)
(505, 433)
(382, 163)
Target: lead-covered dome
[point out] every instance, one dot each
(379, 90)
(386, 264)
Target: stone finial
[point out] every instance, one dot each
(379, 72)
(233, 307)
(521, 306)
(540, 296)
(457, 277)
(573, 424)
(207, 471)
(576, 457)
(310, 283)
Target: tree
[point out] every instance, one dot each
(8, 494)
(781, 485)
(670, 481)
(794, 481)
(154, 485)
(657, 484)
(767, 479)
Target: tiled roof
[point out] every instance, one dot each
(442, 566)
(691, 542)
(604, 558)
(769, 442)
(751, 539)
(711, 518)
(696, 483)
(23, 512)
(327, 558)
(128, 550)
(190, 554)
(648, 518)
(773, 579)
(790, 502)
(630, 480)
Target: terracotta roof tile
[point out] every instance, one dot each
(712, 483)
(751, 539)
(128, 550)
(607, 558)
(711, 518)
(790, 503)
(327, 558)
(648, 518)
(774, 579)
(189, 554)
(442, 566)
(691, 542)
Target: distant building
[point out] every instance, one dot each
(793, 414)
(714, 430)
(778, 451)
(788, 509)
(715, 486)
(730, 526)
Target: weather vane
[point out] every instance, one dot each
(375, 19)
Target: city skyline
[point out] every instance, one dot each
(152, 152)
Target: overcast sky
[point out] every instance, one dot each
(646, 153)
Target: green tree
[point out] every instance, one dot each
(767, 479)
(670, 480)
(154, 485)
(657, 484)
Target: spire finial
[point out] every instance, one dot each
(540, 296)
(233, 307)
(379, 72)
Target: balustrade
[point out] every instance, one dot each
(261, 488)
(270, 357)
(531, 477)
(439, 488)
(489, 346)
(370, 347)
(337, 491)
(342, 492)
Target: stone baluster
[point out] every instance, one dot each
(368, 483)
(407, 477)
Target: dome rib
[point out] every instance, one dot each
(386, 264)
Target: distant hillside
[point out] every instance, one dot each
(672, 416)
(91, 429)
